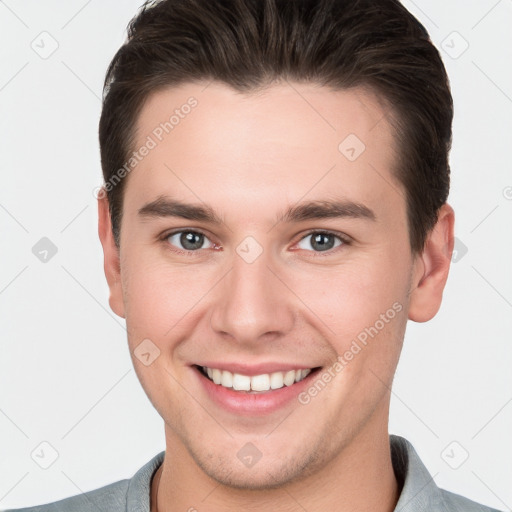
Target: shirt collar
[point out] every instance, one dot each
(139, 489)
(419, 492)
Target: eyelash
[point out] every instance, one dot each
(175, 249)
(345, 240)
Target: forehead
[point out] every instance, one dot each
(287, 140)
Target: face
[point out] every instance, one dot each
(263, 234)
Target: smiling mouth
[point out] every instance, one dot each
(256, 383)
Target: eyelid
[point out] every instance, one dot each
(345, 239)
(342, 236)
(164, 237)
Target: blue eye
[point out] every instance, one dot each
(320, 241)
(189, 240)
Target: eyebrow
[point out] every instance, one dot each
(311, 210)
(326, 209)
(167, 207)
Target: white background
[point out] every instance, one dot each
(65, 372)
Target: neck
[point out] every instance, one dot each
(155, 486)
(359, 479)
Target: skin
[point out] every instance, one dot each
(249, 157)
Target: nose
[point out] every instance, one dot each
(252, 303)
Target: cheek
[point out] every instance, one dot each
(361, 312)
(158, 296)
(343, 302)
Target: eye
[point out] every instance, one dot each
(189, 240)
(320, 241)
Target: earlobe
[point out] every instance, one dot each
(432, 267)
(111, 260)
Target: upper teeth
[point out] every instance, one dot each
(262, 382)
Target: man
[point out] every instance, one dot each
(274, 211)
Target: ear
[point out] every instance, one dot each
(431, 268)
(111, 261)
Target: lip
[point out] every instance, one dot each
(254, 369)
(252, 404)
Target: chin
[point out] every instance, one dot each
(268, 474)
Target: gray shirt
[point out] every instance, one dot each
(419, 492)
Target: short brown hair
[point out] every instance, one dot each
(249, 44)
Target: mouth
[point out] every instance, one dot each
(255, 384)
(244, 390)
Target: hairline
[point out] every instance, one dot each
(391, 115)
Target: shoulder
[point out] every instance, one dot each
(456, 503)
(111, 497)
(125, 495)
(419, 490)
